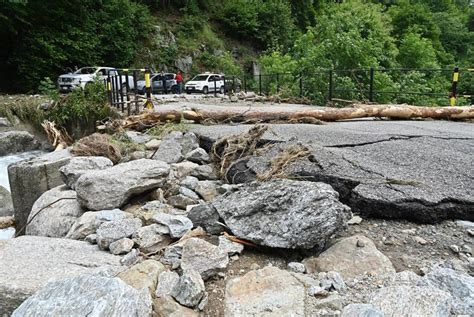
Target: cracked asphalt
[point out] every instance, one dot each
(416, 170)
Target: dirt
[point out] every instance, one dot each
(410, 246)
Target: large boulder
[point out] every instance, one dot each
(266, 292)
(284, 213)
(175, 146)
(30, 179)
(86, 296)
(6, 204)
(113, 187)
(54, 213)
(27, 263)
(78, 166)
(17, 141)
(351, 257)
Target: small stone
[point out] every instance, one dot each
(92, 238)
(317, 291)
(112, 231)
(420, 240)
(470, 232)
(204, 172)
(177, 225)
(121, 246)
(153, 144)
(254, 266)
(190, 289)
(131, 258)
(188, 193)
(203, 257)
(331, 302)
(172, 255)
(166, 283)
(331, 281)
(205, 216)
(208, 190)
(167, 306)
(152, 238)
(466, 249)
(229, 246)
(190, 182)
(198, 156)
(180, 201)
(354, 220)
(360, 243)
(297, 267)
(454, 248)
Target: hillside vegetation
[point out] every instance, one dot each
(229, 35)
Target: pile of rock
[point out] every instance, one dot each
(156, 232)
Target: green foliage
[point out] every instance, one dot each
(84, 106)
(49, 38)
(417, 52)
(48, 88)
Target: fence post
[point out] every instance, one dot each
(452, 95)
(330, 86)
(109, 89)
(278, 83)
(301, 85)
(148, 103)
(260, 84)
(135, 90)
(225, 87)
(127, 90)
(215, 86)
(371, 85)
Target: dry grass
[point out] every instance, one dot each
(229, 149)
(282, 160)
(97, 145)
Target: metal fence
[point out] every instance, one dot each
(379, 85)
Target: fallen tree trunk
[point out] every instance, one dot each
(303, 116)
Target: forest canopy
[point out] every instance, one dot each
(43, 39)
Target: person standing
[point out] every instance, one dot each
(179, 81)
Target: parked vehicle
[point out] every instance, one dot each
(157, 83)
(85, 75)
(205, 83)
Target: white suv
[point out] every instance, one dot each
(205, 83)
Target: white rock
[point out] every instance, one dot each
(121, 246)
(203, 257)
(229, 246)
(78, 166)
(166, 283)
(112, 231)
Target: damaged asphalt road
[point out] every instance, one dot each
(416, 170)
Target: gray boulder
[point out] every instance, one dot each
(361, 310)
(190, 289)
(27, 263)
(6, 204)
(410, 300)
(88, 223)
(189, 142)
(113, 187)
(181, 201)
(17, 141)
(458, 284)
(231, 247)
(54, 213)
(34, 177)
(92, 296)
(206, 217)
(138, 137)
(203, 257)
(152, 238)
(78, 166)
(177, 225)
(112, 231)
(204, 172)
(284, 213)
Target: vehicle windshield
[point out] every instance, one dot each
(85, 70)
(200, 78)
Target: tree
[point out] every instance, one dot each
(417, 52)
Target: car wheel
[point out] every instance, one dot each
(222, 90)
(205, 90)
(174, 89)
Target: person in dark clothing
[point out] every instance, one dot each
(163, 78)
(179, 81)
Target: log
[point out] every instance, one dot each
(325, 114)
